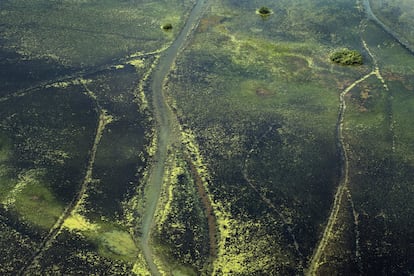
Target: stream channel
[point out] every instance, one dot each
(165, 125)
(397, 37)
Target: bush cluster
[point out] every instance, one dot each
(347, 57)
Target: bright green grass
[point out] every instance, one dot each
(114, 241)
(117, 244)
(307, 105)
(111, 239)
(35, 202)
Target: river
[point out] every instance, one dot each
(165, 125)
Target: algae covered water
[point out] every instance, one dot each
(206, 137)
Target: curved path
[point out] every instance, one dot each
(54, 231)
(343, 186)
(83, 73)
(165, 134)
(388, 30)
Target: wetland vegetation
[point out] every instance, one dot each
(218, 144)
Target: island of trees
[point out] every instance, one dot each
(264, 11)
(167, 26)
(347, 57)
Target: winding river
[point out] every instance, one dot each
(165, 124)
(166, 136)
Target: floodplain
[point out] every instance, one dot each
(206, 137)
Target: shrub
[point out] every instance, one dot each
(167, 27)
(264, 11)
(347, 57)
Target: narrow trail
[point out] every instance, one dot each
(286, 221)
(355, 217)
(78, 74)
(104, 119)
(165, 123)
(343, 187)
(54, 231)
(165, 135)
(386, 88)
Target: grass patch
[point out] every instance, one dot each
(76, 222)
(118, 244)
(35, 202)
(111, 239)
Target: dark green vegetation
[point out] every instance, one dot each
(398, 15)
(382, 164)
(181, 231)
(254, 152)
(263, 104)
(167, 27)
(75, 132)
(346, 57)
(264, 11)
(50, 135)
